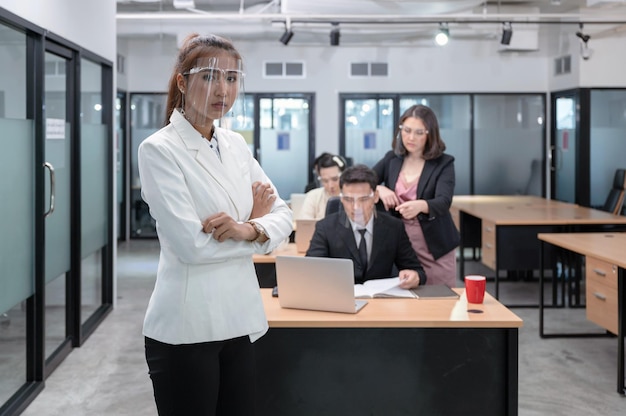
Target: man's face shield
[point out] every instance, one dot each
(213, 86)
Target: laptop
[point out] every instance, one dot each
(304, 232)
(317, 283)
(296, 201)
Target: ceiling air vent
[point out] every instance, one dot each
(283, 70)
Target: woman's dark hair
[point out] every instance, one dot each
(434, 146)
(327, 160)
(359, 174)
(194, 47)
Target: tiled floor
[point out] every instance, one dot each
(108, 375)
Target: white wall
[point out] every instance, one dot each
(88, 23)
(462, 66)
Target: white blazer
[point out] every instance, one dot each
(205, 290)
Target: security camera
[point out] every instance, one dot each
(584, 38)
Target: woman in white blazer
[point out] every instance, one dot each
(214, 207)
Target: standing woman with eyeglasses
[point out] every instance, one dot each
(419, 181)
(329, 168)
(214, 208)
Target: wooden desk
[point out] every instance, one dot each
(265, 264)
(506, 227)
(394, 357)
(285, 250)
(605, 271)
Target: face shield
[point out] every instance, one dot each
(213, 88)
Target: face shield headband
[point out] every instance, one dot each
(213, 88)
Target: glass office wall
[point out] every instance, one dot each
(454, 115)
(17, 210)
(285, 140)
(497, 140)
(564, 146)
(58, 194)
(42, 178)
(509, 137)
(147, 115)
(368, 126)
(607, 140)
(94, 187)
(120, 165)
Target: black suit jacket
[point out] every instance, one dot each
(334, 237)
(436, 187)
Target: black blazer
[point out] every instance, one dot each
(436, 186)
(334, 237)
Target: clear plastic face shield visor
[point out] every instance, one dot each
(214, 91)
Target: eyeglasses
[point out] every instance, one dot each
(333, 179)
(231, 76)
(358, 199)
(408, 130)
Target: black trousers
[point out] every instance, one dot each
(204, 379)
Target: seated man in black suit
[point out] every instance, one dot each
(386, 242)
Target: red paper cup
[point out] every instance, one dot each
(475, 288)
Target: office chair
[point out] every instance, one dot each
(615, 199)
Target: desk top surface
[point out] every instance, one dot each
(284, 250)
(610, 247)
(531, 210)
(398, 313)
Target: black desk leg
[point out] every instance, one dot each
(541, 272)
(621, 322)
(461, 246)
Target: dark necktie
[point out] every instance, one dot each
(363, 250)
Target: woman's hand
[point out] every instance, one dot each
(411, 209)
(389, 197)
(262, 199)
(223, 227)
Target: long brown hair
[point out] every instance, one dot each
(434, 146)
(194, 47)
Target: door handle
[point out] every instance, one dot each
(52, 188)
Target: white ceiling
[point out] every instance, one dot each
(363, 22)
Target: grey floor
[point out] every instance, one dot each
(108, 374)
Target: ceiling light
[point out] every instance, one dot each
(334, 35)
(507, 33)
(443, 35)
(286, 37)
(184, 4)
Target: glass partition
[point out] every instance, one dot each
(284, 142)
(454, 115)
(94, 197)
(17, 212)
(369, 127)
(608, 141)
(509, 136)
(565, 145)
(147, 115)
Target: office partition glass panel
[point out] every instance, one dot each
(58, 145)
(454, 116)
(94, 200)
(120, 164)
(509, 143)
(242, 123)
(369, 127)
(565, 141)
(147, 115)
(17, 210)
(284, 139)
(608, 141)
